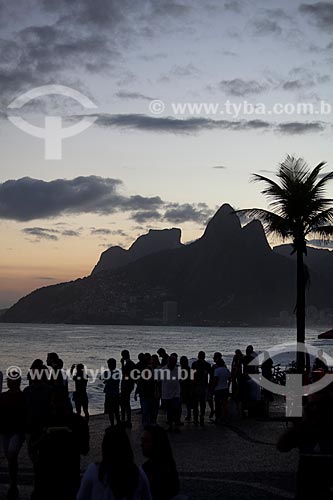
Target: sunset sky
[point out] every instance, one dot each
(133, 170)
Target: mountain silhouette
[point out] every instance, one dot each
(228, 276)
(152, 242)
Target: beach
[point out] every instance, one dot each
(237, 459)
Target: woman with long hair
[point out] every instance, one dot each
(160, 467)
(117, 477)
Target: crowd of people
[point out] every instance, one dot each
(56, 435)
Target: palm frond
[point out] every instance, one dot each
(272, 222)
(312, 177)
(320, 187)
(320, 219)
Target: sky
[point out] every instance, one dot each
(149, 160)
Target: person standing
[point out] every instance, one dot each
(12, 429)
(80, 396)
(221, 390)
(64, 438)
(236, 373)
(116, 476)
(146, 391)
(201, 380)
(171, 393)
(160, 467)
(210, 396)
(126, 388)
(38, 399)
(164, 356)
(111, 390)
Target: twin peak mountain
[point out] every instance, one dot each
(229, 276)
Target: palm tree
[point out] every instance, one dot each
(298, 209)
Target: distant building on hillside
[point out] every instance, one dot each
(170, 312)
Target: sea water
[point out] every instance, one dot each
(93, 345)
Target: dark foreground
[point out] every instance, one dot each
(238, 460)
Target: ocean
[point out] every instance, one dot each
(93, 345)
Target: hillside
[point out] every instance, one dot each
(228, 276)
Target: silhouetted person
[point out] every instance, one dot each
(65, 437)
(142, 362)
(236, 373)
(111, 390)
(117, 476)
(38, 397)
(80, 396)
(320, 362)
(164, 356)
(12, 428)
(222, 378)
(171, 393)
(160, 467)
(201, 379)
(56, 364)
(250, 355)
(146, 391)
(210, 396)
(126, 387)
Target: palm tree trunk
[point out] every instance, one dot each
(300, 309)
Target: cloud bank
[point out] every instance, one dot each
(29, 199)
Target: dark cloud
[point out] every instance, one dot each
(178, 213)
(41, 233)
(175, 125)
(133, 95)
(142, 217)
(38, 55)
(240, 88)
(70, 232)
(27, 199)
(104, 232)
(293, 85)
(304, 78)
(101, 231)
(220, 167)
(199, 124)
(270, 21)
(300, 128)
(74, 38)
(45, 278)
(320, 13)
